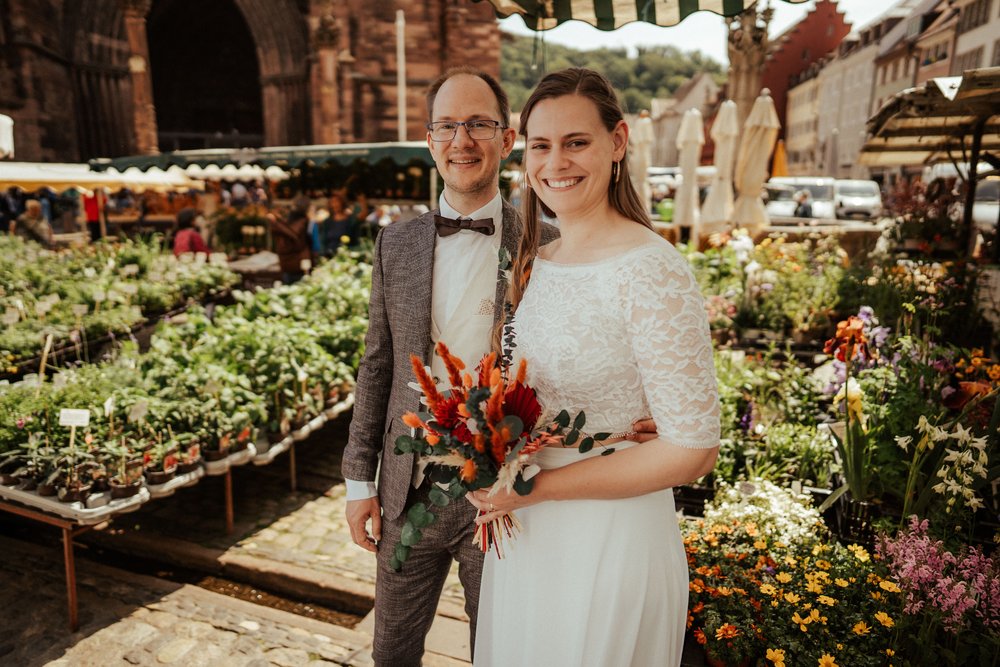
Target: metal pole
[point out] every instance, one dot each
(968, 233)
(401, 73)
(74, 622)
(229, 502)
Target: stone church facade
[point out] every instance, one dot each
(89, 78)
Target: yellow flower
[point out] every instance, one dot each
(777, 656)
(783, 577)
(859, 552)
(877, 595)
(889, 586)
(823, 564)
(803, 623)
(827, 660)
(814, 587)
(774, 603)
(792, 598)
(727, 631)
(768, 589)
(885, 619)
(861, 629)
(840, 582)
(724, 591)
(889, 652)
(760, 544)
(345, 239)
(790, 562)
(828, 601)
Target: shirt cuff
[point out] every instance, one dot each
(357, 490)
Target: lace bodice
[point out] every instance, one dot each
(622, 338)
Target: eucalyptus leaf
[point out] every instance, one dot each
(580, 420)
(586, 445)
(410, 535)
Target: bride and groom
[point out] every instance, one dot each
(609, 316)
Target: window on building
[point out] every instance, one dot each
(895, 70)
(995, 62)
(881, 74)
(969, 60)
(906, 67)
(974, 15)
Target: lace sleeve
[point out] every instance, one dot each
(668, 329)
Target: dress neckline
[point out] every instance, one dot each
(604, 260)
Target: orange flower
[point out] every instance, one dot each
(849, 339)
(485, 368)
(700, 637)
(727, 631)
(452, 364)
(522, 372)
(468, 473)
(425, 381)
(413, 421)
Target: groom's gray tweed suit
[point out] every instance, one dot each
(400, 325)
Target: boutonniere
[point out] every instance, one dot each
(504, 264)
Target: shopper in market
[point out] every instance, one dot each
(32, 225)
(341, 227)
(291, 243)
(187, 238)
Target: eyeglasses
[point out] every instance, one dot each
(480, 130)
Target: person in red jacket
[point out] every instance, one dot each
(187, 238)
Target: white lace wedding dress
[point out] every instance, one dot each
(604, 582)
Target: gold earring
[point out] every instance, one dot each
(616, 170)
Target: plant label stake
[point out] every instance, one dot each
(73, 418)
(41, 367)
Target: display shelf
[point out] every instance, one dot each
(76, 512)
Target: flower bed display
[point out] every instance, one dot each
(202, 392)
(83, 294)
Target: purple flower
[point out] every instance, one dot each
(867, 313)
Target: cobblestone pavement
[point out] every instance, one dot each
(129, 619)
(275, 526)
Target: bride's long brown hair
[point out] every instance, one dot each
(621, 194)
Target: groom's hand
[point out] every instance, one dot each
(645, 429)
(358, 514)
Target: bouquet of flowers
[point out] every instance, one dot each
(480, 433)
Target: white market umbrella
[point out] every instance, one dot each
(690, 139)
(717, 211)
(642, 156)
(759, 134)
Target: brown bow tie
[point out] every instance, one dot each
(448, 226)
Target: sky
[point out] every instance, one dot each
(702, 31)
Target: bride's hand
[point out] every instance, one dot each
(503, 502)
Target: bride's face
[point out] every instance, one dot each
(568, 155)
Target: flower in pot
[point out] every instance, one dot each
(160, 461)
(189, 453)
(125, 469)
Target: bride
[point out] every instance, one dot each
(611, 323)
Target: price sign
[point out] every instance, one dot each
(11, 316)
(109, 406)
(53, 299)
(130, 269)
(42, 307)
(68, 417)
(80, 309)
(59, 380)
(99, 295)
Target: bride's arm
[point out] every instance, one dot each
(668, 329)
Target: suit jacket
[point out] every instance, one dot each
(399, 324)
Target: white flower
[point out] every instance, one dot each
(939, 434)
(979, 443)
(923, 425)
(974, 503)
(962, 434)
(938, 488)
(903, 441)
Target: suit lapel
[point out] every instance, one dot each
(421, 267)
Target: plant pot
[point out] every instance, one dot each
(274, 437)
(160, 476)
(28, 483)
(124, 490)
(188, 466)
(238, 447)
(46, 490)
(214, 454)
(73, 495)
(7, 479)
(855, 520)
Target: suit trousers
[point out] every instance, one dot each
(406, 601)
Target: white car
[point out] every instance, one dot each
(820, 193)
(780, 200)
(857, 198)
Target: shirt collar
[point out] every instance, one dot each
(493, 209)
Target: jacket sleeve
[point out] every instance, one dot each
(374, 383)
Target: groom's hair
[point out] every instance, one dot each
(503, 105)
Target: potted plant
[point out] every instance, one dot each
(125, 469)
(160, 461)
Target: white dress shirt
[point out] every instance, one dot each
(461, 254)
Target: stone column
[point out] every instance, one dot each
(143, 111)
(748, 45)
(325, 82)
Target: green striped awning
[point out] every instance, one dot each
(612, 14)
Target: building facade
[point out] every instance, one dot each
(802, 130)
(977, 35)
(89, 78)
(935, 47)
(700, 92)
(810, 40)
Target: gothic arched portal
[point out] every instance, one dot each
(206, 79)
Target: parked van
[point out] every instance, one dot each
(858, 198)
(820, 191)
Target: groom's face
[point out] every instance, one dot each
(469, 167)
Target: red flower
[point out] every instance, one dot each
(520, 401)
(967, 391)
(850, 338)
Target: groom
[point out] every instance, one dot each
(434, 279)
